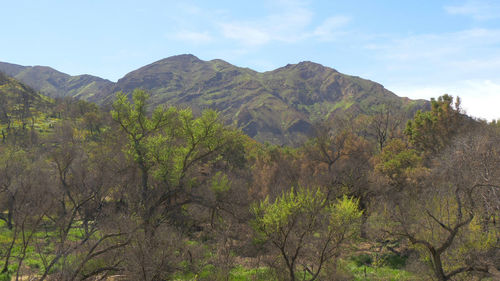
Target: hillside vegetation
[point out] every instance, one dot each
(21, 107)
(54, 83)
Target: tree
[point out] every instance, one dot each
(176, 156)
(85, 241)
(341, 161)
(169, 147)
(440, 214)
(399, 164)
(385, 125)
(22, 202)
(274, 170)
(329, 145)
(306, 230)
(433, 130)
(13, 162)
(339, 156)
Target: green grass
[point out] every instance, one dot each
(238, 273)
(364, 272)
(241, 273)
(362, 267)
(373, 267)
(45, 246)
(352, 268)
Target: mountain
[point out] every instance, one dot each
(57, 84)
(278, 106)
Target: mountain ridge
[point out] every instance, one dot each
(54, 83)
(279, 106)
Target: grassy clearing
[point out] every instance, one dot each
(385, 273)
(37, 254)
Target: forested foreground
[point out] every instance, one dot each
(135, 193)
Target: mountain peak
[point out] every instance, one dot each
(48, 70)
(309, 63)
(308, 66)
(313, 66)
(184, 58)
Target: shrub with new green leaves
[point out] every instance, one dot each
(305, 230)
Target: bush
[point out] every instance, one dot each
(393, 261)
(5, 276)
(363, 259)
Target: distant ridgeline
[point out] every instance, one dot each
(279, 106)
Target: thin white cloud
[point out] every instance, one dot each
(289, 22)
(288, 28)
(245, 33)
(286, 23)
(467, 53)
(194, 37)
(478, 10)
(330, 29)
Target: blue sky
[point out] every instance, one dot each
(419, 49)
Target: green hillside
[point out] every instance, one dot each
(278, 106)
(54, 83)
(20, 106)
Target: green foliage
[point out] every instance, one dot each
(392, 260)
(363, 259)
(272, 217)
(23, 112)
(295, 224)
(371, 273)
(170, 141)
(5, 276)
(241, 273)
(238, 273)
(220, 183)
(398, 162)
(345, 216)
(140, 130)
(431, 131)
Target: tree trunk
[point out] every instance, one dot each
(438, 266)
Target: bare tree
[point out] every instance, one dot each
(80, 219)
(440, 214)
(386, 124)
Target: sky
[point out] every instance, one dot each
(418, 49)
